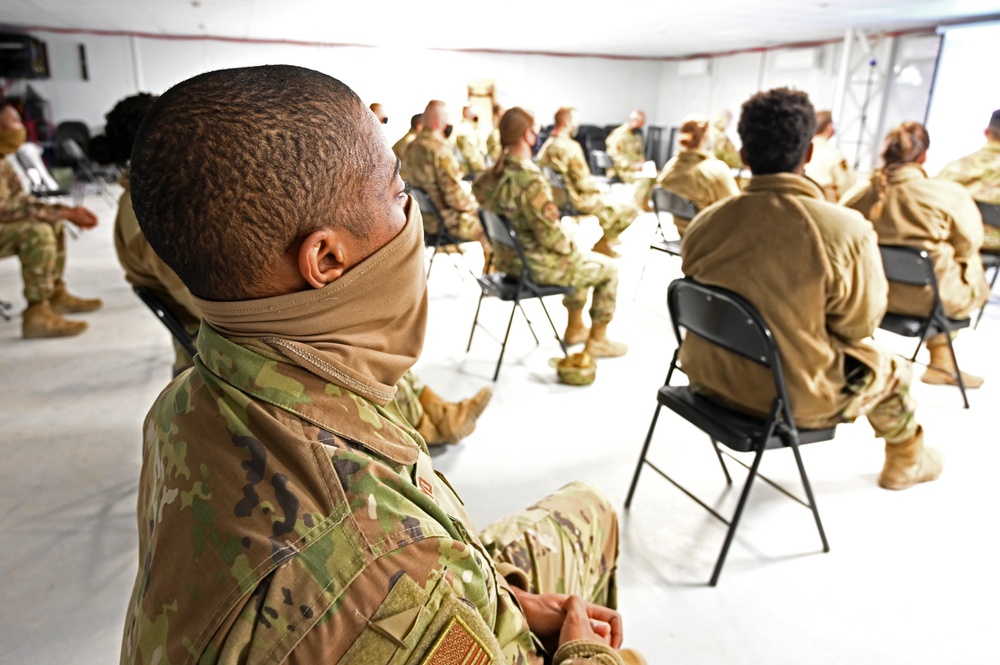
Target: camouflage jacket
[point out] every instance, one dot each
(471, 145)
(625, 148)
(522, 194)
(17, 204)
(979, 173)
(283, 518)
(400, 146)
(723, 148)
(430, 163)
(493, 147)
(565, 156)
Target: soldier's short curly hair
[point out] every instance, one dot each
(776, 128)
(232, 168)
(122, 124)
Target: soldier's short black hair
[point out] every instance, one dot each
(122, 124)
(232, 168)
(776, 128)
(994, 126)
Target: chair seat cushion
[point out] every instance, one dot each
(909, 326)
(733, 429)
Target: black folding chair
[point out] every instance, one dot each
(727, 320)
(91, 172)
(512, 288)
(442, 239)
(560, 193)
(600, 162)
(665, 201)
(179, 333)
(991, 261)
(5, 307)
(912, 265)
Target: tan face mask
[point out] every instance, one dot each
(11, 140)
(363, 331)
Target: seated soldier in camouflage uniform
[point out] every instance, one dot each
(813, 270)
(564, 155)
(438, 421)
(516, 188)
(287, 512)
(33, 230)
(493, 147)
(625, 148)
(469, 143)
(980, 174)
(722, 145)
(692, 173)
(416, 126)
(430, 163)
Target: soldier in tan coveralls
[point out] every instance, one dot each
(430, 163)
(416, 126)
(33, 230)
(828, 167)
(722, 145)
(564, 155)
(814, 272)
(516, 188)
(470, 143)
(908, 208)
(307, 524)
(692, 173)
(625, 148)
(980, 174)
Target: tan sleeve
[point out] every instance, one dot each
(585, 651)
(967, 227)
(859, 293)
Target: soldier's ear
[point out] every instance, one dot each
(323, 257)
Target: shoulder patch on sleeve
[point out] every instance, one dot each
(457, 645)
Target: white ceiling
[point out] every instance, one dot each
(644, 28)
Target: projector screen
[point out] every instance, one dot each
(966, 92)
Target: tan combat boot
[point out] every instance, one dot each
(603, 246)
(576, 331)
(909, 463)
(599, 346)
(40, 321)
(448, 422)
(942, 370)
(63, 302)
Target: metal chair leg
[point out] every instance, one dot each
(958, 370)
(809, 495)
(562, 344)
(503, 347)
(725, 469)
(642, 456)
(736, 518)
(475, 320)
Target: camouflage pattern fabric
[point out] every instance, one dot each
(565, 156)
(408, 392)
(883, 395)
(400, 146)
(18, 204)
(430, 164)
(283, 518)
(522, 194)
(723, 147)
(627, 153)
(980, 174)
(470, 144)
(41, 247)
(493, 146)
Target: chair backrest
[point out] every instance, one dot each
(599, 161)
(426, 204)
(666, 201)
(990, 212)
(555, 179)
(500, 231)
(908, 265)
(166, 317)
(73, 151)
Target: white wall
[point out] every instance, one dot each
(403, 80)
(966, 92)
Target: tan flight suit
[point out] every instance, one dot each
(980, 174)
(430, 164)
(400, 146)
(829, 169)
(694, 175)
(934, 215)
(627, 153)
(565, 156)
(813, 271)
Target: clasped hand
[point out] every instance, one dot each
(556, 618)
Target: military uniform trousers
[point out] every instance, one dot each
(585, 270)
(566, 543)
(41, 247)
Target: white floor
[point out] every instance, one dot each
(910, 577)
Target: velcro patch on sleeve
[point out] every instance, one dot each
(457, 645)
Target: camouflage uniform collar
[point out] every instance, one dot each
(692, 156)
(522, 163)
(992, 146)
(785, 183)
(382, 430)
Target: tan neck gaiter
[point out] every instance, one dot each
(362, 332)
(11, 140)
